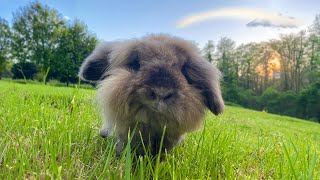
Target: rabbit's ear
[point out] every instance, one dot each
(206, 77)
(96, 64)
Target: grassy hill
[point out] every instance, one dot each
(52, 132)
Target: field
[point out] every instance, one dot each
(52, 133)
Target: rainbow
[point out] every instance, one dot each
(272, 18)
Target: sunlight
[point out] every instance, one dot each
(273, 69)
(274, 65)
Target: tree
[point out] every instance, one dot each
(36, 30)
(247, 56)
(292, 51)
(309, 102)
(208, 51)
(229, 68)
(75, 44)
(5, 39)
(225, 56)
(314, 51)
(315, 27)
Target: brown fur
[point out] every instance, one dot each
(150, 83)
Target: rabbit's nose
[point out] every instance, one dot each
(161, 93)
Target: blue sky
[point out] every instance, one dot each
(114, 20)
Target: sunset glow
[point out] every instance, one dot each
(274, 65)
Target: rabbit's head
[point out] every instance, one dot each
(155, 78)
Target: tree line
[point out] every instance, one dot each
(42, 45)
(279, 76)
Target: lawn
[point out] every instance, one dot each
(52, 132)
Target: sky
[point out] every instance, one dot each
(197, 20)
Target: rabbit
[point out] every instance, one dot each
(150, 83)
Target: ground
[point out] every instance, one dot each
(52, 132)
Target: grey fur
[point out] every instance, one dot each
(150, 83)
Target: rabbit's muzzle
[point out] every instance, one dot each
(160, 88)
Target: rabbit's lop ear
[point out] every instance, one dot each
(205, 77)
(96, 64)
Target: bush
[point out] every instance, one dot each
(288, 102)
(269, 100)
(248, 99)
(24, 70)
(309, 102)
(39, 76)
(230, 92)
(6, 72)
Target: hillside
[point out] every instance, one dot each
(52, 132)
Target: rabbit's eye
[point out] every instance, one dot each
(135, 65)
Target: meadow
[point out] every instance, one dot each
(52, 133)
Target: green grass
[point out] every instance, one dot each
(52, 132)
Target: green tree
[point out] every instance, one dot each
(247, 56)
(313, 73)
(75, 44)
(36, 30)
(309, 102)
(315, 27)
(292, 50)
(225, 56)
(5, 39)
(208, 51)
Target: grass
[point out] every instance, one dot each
(52, 133)
(54, 82)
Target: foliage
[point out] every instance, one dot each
(208, 51)
(248, 99)
(43, 37)
(304, 104)
(309, 102)
(272, 75)
(225, 57)
(25, 70)
(5, 39)
(6, 72)
(270, 99)
(75, 44)
(35, 33)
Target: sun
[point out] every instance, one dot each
(274, 67)
(274, 63)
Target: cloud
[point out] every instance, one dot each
(255, 16)
(277, 22)
(67, 18)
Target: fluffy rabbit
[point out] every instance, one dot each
(150, 83)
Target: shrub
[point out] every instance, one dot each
(6, 72)
(309, 102)
(248, 99)
(269, 100)
(288, 102)
(24, 70)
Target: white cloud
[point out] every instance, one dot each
(67, 18)
(278, 21)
